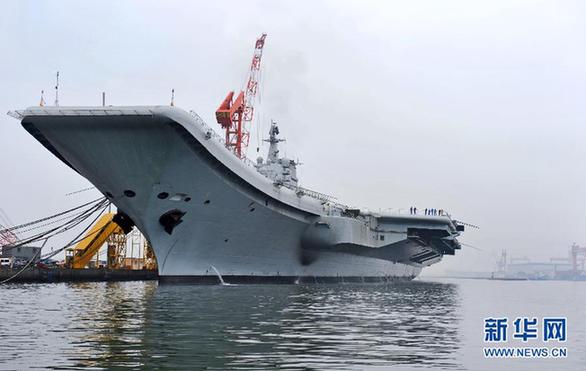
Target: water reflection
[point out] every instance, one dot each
(142, 324)
(108, 323)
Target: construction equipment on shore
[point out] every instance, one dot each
(150, 261)
(21, 261)
(113, 230)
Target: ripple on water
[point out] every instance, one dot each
(133, 324)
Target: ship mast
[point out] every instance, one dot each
(57, 90)
(273, 155)
(235, 115)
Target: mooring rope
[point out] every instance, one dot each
(76, 220)
(100, 206)
(52, 216)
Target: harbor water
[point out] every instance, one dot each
(426, 323)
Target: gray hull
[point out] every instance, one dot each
(151, 161)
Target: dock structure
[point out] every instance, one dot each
(109, 234)
(40, 275)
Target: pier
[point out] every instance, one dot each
(41, 275)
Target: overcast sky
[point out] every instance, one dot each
(476, 108)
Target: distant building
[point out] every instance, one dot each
(546, 270)
(22, 253)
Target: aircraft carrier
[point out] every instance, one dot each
(213, 216)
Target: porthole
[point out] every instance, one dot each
(187, 199)
(163, 195)
(129, 193)
(206, 202)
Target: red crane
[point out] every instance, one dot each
(7, 237)
(235, 115)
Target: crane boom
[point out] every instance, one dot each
(84, 251)
(235, 114)
(108, 227)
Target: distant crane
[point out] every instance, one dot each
(576, 250)
(7, 236)
(235, 115)
(502, 263)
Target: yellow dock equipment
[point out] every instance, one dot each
(150, 261)
(105, 227)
